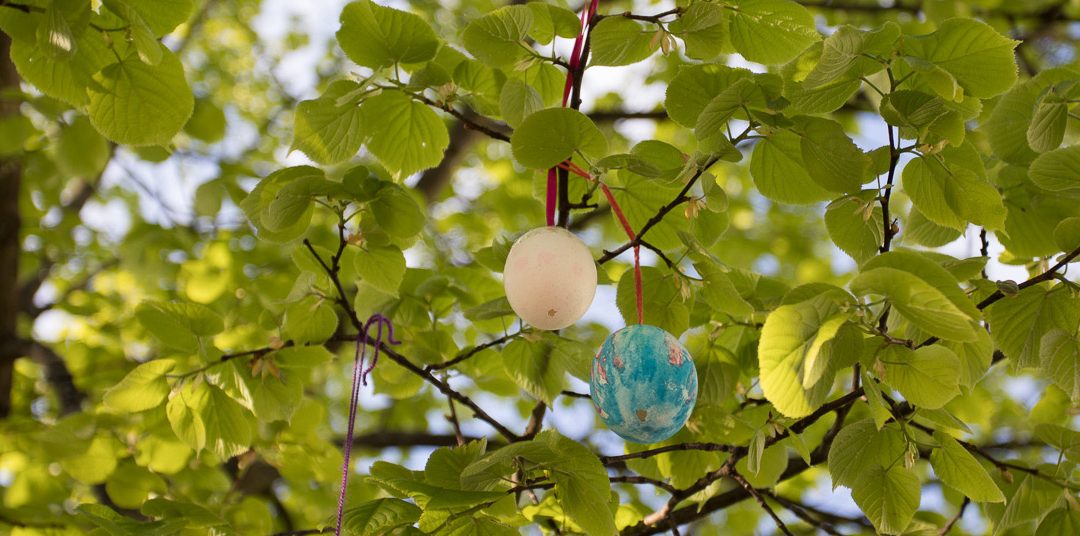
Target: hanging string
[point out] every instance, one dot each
(619, 215)
(359, 376)
(575, 61)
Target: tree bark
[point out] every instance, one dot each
(10, 176)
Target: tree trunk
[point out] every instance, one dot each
(10, 175)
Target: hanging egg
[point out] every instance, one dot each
(643, 383)
(550, 278)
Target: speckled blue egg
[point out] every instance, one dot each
(643, 383)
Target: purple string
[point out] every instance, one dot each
(359, 376)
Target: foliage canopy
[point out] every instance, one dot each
(859, 218)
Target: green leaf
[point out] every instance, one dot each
(1009, 122)
(477, 525)
(329, 129)
(405, 136)
(978, 57)
(551, 21)
(536, 367)
(130, 485)
(163, 16)
(703, 28)
(924, 232)
(860, 447)
(956, 467)
(830, 157)
(581, 483)
(712, 124)
(445, 465)
(518, 100)
(494, 38)
(917, 301)
(64, 80)
(1059, 361)
(717, 371)
(550, 136)
(382, 267)
(310, 320)
(1060, 522)
(694, 86)
(772, 462)
(855, 225)
(779, 172)
(270, 207)
(15, 131)
(138, 104)
(272, 398)
(178, 325)
(955, 192)
(913, 109)
(816, 359)
(719, 291)
(1032, 498)
(878, 409)
(54, 35)
(888, 497)
(379, 516)
(975, 356)
(203, 416)
(1067, 234)
(207, 123)
(81, 151)
(396, 211)
(622, 41)
(929, 270)
(145, 387)
(146, 43)
(95, 463)
(928, 377)
(663, 305)
(772, 31)
(1018, 323)
(845, 54)
(375, 36)
(290, 206)
(1048, 123)
(788, 341)
(1057, 170)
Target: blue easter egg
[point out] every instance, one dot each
(643, 383)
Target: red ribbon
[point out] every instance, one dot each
(575, 61)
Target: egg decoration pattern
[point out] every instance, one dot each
(549, 278)
(643, 383)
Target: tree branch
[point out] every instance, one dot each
(761, 502)
(470, 119)
(1048, 275)
(952, 522)
(473, 351)
(332, 271)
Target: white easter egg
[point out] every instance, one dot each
(550, 278)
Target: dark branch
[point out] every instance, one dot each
(473, 351)
(761, 502)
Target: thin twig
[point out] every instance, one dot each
(473, 351)
(638, 479)
(453, 418)
(678, 447)
(761, 502)
(952, 522)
